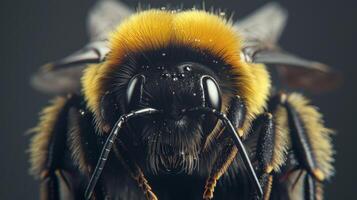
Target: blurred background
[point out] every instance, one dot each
(38, 31)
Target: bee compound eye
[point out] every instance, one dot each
(211, 93)
(134, 90)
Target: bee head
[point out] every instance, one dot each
(172, 80)
(172, 62)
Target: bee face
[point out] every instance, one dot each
(172, 82)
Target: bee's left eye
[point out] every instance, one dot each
(212, 94)
(134, 90)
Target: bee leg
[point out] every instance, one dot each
(305, 145)
(49, 186)
(144, 185)
(299, 134)
(313, 189)
(265, 145)
(301, 144)
(264, 132)
(267, 180)
(51, 175)
(50, 147)
(56, 182)
(219, 168)
(263, 126)
(134, 170)
(57, 186)
(229, 151)
(310, 187)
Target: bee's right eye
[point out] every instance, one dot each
(135, 90)
(212, 93)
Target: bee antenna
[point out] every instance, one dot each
(108, 147)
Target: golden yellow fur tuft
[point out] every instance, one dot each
(92, 88)
(257, 96)
(40, 141)
(282, 138)
(154, 29)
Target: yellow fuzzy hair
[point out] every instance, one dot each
(154, 29)
(40, 141)
(282, 138)
(318, 135)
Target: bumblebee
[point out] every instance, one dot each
(172, 104)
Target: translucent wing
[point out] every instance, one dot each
(300, 73)
(63, 76)
(264, 25)
(105, 16)
(260, 32)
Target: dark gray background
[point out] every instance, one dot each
(34, 32)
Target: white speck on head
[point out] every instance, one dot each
(82, 112)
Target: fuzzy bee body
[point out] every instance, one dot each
(177, 107)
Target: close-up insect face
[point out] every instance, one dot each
(179, 100)
(165, 81)
(173, 80)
